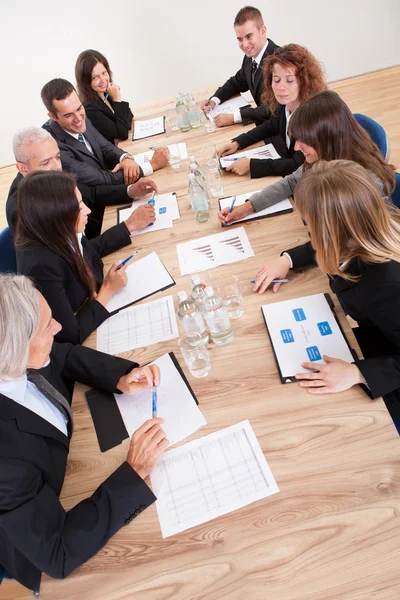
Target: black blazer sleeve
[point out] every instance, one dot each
(256, 115)
(267, 129)
(111, 125)
(280, 166)
(302, 256)
(111, 240)
(33, 517)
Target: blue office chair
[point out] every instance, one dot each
(395, 195)
(8, 260)
(376, 133)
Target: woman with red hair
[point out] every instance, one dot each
(291, 76)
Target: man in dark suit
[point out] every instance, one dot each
(84, 151)
(35, 149)
(251, 35)
(36, 422)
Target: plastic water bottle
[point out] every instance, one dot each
(193, 111)
(198, 293)
(198, 200)
(217, 318)
(197, 171)
(190, 318)
(182, 114)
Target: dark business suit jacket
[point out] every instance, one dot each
(64, 292)
(242, 82)
(96, 198)
(91, 169)
(36, 533)
(373, 301)
(274, 131)
(111, 125)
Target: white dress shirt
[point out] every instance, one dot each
(75, 135)
(26, 393)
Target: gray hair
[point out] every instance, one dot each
(23, 137)
(19, 322)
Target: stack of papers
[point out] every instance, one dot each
(227, 107)
(279, 208)
(262, 152)
(165, 206)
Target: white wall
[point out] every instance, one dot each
(157, 48)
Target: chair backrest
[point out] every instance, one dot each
(395, 195)
(8, 260)
(376, 133)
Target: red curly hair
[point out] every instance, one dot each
(308, 70)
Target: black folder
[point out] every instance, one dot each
(109, 426)
(146, 136)
(248, 218)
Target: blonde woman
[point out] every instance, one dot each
(355, 237)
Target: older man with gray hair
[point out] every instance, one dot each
(35, 149)
(36, 422)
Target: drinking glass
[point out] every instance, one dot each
(214, 179)
(175, 158)
(195, 354)
(229, 291)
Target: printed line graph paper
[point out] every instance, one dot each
(210, 477)
(138, 326)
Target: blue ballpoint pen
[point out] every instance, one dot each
(276, 281)
(230, 159)
(126, 260)
(154, 402)
(231, 208)
(152, 202)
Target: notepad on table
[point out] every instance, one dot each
(228, 107)
(262, 152)
(146, 276)
(277, 209)
(166, 209)
(148, 128)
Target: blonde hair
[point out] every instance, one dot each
(347, 216)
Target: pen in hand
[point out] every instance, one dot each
(230, 159)
(154, 402)
(152, 202)
(152, 148)
(126, 260)
(231, 209)
(276, 281)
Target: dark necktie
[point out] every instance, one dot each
(81, 139)
(254, 68)
(53, 395)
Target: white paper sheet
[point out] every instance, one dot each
(303, 330)
(175, 404)
(138, 326)
(262, 152)
(148, 128)
(227, 107)
(241, 199)
(214, 250)
(210, 477)
(145, 277)
(167, 211)
(144, 157)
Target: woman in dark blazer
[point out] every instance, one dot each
(67, 267)
(101, 98)
(291, 76)
(355, 236)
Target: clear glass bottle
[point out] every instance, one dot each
(190, 318)
(198, 200)
(198, 293)
(193, 111)
(197, 171)
(217, 318)
(182, 114)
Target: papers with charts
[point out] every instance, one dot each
(138, 326)
(148, 128)
(214, 250)
(227, 107)
(303, 330)
(210, 477)
(175, 404)
(175, 149)
(276, 209)
(145, 277)
(261, 152)
(165, 206)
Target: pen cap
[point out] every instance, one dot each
(209, 290)
(195, 279)
(182, 296)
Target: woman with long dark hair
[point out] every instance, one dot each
(355, 236)
(66, 267)
(101, 97)
(291, 76)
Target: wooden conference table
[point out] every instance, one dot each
(331, 532)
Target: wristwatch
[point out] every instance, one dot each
(126, 155)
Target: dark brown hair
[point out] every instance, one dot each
(56, 89)
(249, 13)
(347, 216)
(84, 66)
(47, 213)
(326, 123)
(308, 70)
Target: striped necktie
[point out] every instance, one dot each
(254, 68)
(53, 395)
(81, 139)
